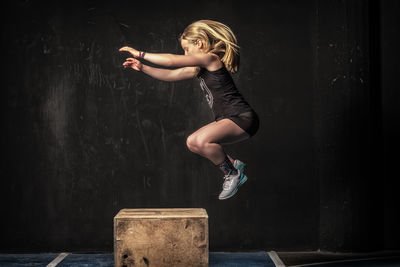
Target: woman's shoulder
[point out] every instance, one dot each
(215, 64)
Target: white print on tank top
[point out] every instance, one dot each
(207, 92)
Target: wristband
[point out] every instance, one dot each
(141, 54)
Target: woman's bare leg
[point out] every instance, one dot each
(207, 140)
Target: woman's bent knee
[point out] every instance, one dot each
(191, 143)
(195, 144)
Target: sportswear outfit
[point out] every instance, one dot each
(226, 101)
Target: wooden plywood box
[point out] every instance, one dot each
(161, 237)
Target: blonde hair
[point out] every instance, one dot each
(216, 38)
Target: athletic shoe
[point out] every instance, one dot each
(239, 165)
(231, 184)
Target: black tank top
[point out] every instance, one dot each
(221, 93)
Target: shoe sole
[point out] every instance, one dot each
(242, 180)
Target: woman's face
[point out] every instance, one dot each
(190, 48)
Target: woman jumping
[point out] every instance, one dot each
(211, 53)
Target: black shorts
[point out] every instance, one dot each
(248, 121)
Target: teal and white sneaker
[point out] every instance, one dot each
(239, 165)
(231, 184)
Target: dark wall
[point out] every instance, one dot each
(84, 138)
(346, 111)
(389, 74)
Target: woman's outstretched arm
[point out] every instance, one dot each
(173, 60)
(162, 74)
(170, 75)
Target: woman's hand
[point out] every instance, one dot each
(133, 51)
(133, 63)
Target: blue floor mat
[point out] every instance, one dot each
(217, 259)
(220, 259)
(22, 260)
(88, 260)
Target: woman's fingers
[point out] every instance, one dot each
(130, 61)
(125, 48)
(132, 64)
(127, 65)
(130, 50)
